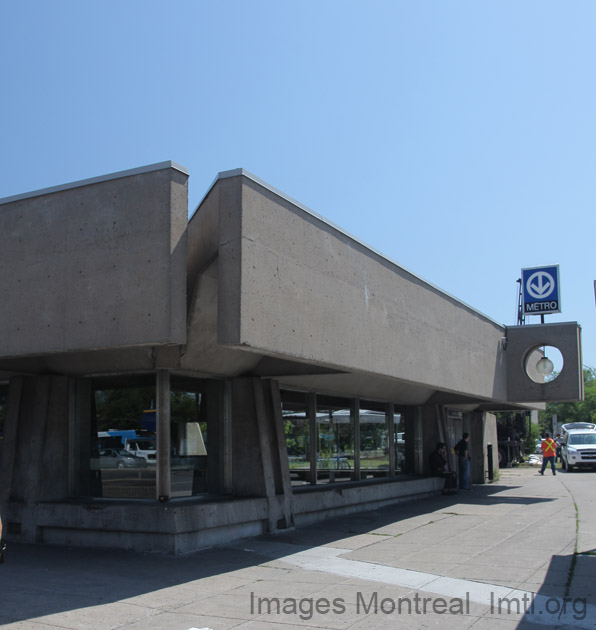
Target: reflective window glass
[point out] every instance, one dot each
(118, 467)
(374, 440)
(297, 434)
(188, 442)
(335, 440)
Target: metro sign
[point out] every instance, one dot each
(541, 290)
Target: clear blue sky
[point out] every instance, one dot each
(456, 137)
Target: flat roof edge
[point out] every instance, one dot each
(243, 172)
(95, 180)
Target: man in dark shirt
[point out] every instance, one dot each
(463, 462)
(438, 467)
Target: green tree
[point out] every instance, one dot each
(122, 408)
(583, 411)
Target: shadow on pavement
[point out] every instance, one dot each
(574, 576)
(40, 580)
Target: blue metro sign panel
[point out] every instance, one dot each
(541, 290)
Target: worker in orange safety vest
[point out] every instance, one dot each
(549, 452)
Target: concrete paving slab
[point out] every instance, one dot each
(179, 621)
(167, 598)
(414, 621)
(100, 617)
(7, 624)
(235, 606)
(584, 579)
(311, 613)
(510, 537)
(260, 624)
(278, 588)
(312, 577)
(359, 541)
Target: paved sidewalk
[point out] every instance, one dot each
(501, 556)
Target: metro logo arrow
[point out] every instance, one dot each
(541, 289)
(540, 285)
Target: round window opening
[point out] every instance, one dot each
(543, 364)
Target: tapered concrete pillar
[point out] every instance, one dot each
(163, 434)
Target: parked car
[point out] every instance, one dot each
(120, 458)
(576, 426)
(578, 449)
(142, 447)
(573, 426)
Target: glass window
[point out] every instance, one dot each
(583, 438)
(117, 437)
(399, 443)
(335, 440)
(122, 462)
(384, 446)
(374, 440)
(297, 431)
(188, 440)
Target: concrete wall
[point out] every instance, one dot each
(34, 451)
(527, 341)
(98, 265)
(291, 285)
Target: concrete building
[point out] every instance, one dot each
(286, 372)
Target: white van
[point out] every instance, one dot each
(578, 449)
(142, 447)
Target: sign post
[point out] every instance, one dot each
(541, 291)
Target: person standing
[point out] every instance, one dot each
(463, 462)
(549, 453)
(438, 468)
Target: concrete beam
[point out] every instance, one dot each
(99, 264)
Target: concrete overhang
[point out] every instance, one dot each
(95, 264)
(280, 281)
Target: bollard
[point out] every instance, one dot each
(489, 451)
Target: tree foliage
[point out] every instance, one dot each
(583, 411)
(122, 408)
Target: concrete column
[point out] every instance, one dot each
(80, 480)
(163, 434)
(414, 441)
(490, 436)
(312, 420)
(265, 441)
(390, 413)
(284, 463)
(482, 429)
(8, 445)
(260, 463)
(355, 418)
(247, 467)
(225, 450)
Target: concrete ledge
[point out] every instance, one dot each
(172, 528)
(338, 500)
(178, 528)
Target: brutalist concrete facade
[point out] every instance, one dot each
(252, 297)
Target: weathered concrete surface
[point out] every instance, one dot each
(511, 538)
(364, 313)
(100, 265)
(276, 280)
(525, 341)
